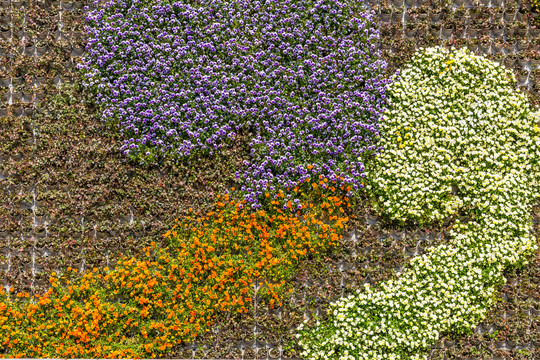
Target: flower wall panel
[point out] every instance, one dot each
(69, 199)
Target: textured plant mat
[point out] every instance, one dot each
(68, 197)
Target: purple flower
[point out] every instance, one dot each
(304, 76)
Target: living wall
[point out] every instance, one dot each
(71, 198)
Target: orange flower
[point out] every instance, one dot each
(206, 270)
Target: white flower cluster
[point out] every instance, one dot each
(454, 122)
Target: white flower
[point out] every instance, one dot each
(459, 124)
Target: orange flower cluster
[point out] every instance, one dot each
(143, 308)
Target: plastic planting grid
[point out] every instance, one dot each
(69, 198)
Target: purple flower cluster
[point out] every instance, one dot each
(303, 76)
